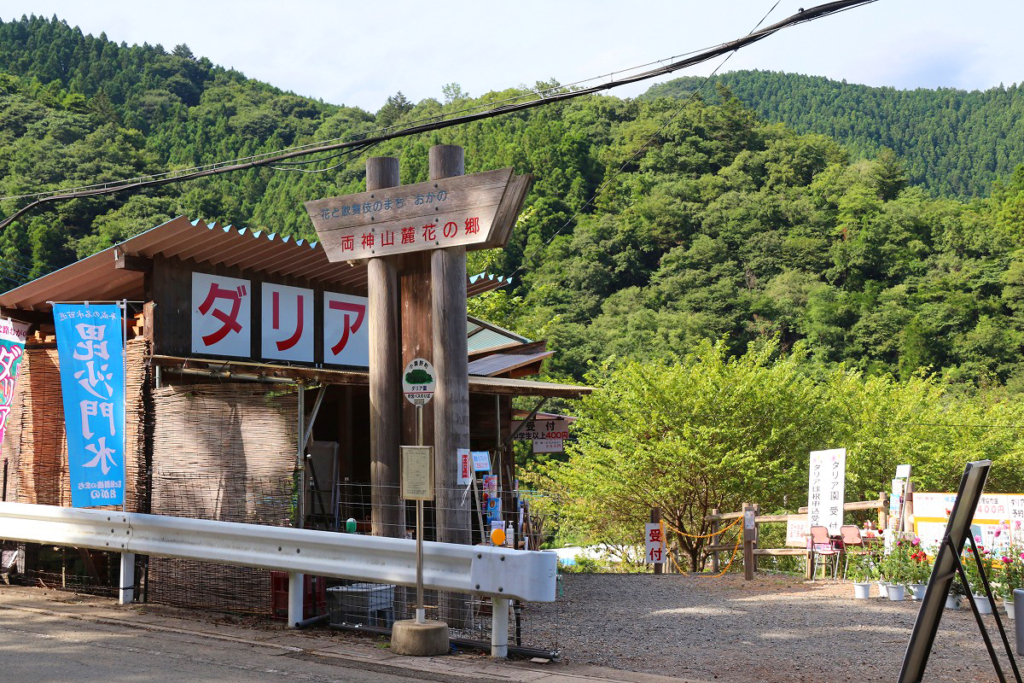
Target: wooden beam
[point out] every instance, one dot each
(123, 261)
(451, 361)
(386, 509)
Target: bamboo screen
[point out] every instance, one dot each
(223, 452)
(35, 444)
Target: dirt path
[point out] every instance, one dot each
(774, 628)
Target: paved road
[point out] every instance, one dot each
(39, 648)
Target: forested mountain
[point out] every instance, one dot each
(723, 226)
(953, 142)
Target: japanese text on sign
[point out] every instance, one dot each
(346, 334)
(826, 489)
(418, 381)
(12, 349)
(995, 512)
(221, 315)
(541, 429)
(654, 543)
(464, 465)
(417, 472)
(287, 326)
(91, 355)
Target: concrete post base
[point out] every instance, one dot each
(419, 640)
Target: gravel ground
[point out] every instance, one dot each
(775, 628)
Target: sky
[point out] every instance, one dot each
(360, 53)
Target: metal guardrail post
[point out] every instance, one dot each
(295, 595)
(499, 628)
(126, 592)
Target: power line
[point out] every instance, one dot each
(681, 105)
(253, 162)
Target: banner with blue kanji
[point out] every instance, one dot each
(91, 353)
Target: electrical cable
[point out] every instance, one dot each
(801, 17)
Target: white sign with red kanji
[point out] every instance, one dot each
(654, 543)
(221, 315)
(346, 331)
(287, 329)
(826, 489)
(464, 463)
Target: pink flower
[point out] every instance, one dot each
(1022, 556)
(977, 539)
(916, 542)
(998, 531)
(1016, 524)
(1006, 560)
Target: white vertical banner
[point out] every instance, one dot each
(346, 330)
(221, 315)
(654, 543)
(287, 323)
(826, 491)
(465, 466)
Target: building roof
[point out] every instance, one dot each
(485, 336)
(507, 360)
(95, 278)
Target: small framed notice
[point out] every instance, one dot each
(417, 472)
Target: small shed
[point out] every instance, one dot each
(247, 384)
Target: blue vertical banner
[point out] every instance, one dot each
(91, 353)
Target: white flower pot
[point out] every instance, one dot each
(896, 592)
(862, 591)
(952, 601)
(883, 589)
(1008, 606)
(984, 605)
(918, 590)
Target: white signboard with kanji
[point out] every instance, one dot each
(221, 315)
(346, 331)
(826, 489)
(548, 445)
(464, 464)
(654, 543)
(931, 513)
(287, 329)
(797, 530)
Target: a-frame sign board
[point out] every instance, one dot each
(947, 566)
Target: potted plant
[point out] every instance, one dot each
(920, 570)
(971, 568)
(1011, 577)
(862, 571)
(899, 567)
(956, 592)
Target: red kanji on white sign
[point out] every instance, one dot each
(654, 543)
(346, 331)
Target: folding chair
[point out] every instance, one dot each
(852, 542)
(822, 546)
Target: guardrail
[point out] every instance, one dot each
(498, 573)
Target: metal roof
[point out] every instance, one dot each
(95, 278)
(501, 362)
(483, 335)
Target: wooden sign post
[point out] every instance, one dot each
(416, 238)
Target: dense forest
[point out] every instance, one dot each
(953, 142)
(727, 225)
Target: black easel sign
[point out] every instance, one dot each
(946, 568)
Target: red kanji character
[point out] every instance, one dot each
(368, 239)
(451, 229)
(430, 232)
(408, 235)
(348, 243)
(230, 320)
(472, 226)
(656, 555)
(356, 309)
(387, 238)
(656, 536)
(297, 335)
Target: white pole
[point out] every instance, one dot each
(127, 586)
(499, 628)
(295, 583)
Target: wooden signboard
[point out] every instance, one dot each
(476, 211)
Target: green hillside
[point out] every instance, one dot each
(720, 224)
(953, 142)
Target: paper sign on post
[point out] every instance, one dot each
(654, 543)
(465, 465)
(417, 472)
(481, 461)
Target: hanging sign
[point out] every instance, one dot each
(471, 210)
(418, 381)
(557, 429)
(221, 315)
(654, 543)
(91, 355)
(12, 349)
(417, 472)
(464, 465)
(826, 489)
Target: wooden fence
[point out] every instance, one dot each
(752, 519)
